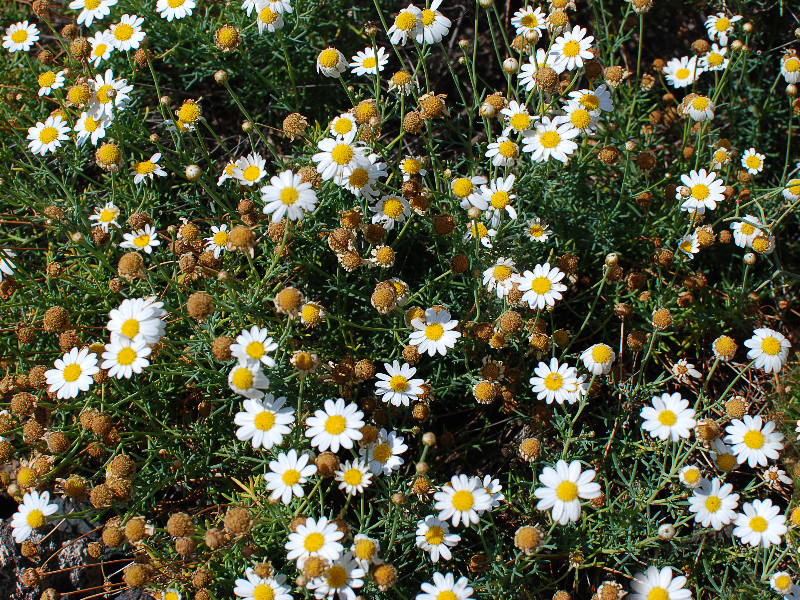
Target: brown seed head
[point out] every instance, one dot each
(32, 431)
(56, 318)
(412, 123)
(661, 319)
(294, 126)
(736, 407)
(101, 496)
(137, 575)
(80, 49)
(130, 266)
(546, 78)
(200, 306)
(112, 536)
(385, 576)
(527, 539)
(57, 442)
(180, 525)
(215, 538)
(135, 529)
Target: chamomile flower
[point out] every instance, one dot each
(436, 333)
(20, 37)
(31, 515)
(339, 155)
(147, 169)
(411, 166)
(503, 152)
(659, 585)
(537, 230)
(714, 59)
(46, 137)
(92, 10)
(406, 25)
(493, 487)
(6, 264)
(714, 505)
(669, 418)
(390, 210)
(287, 195)
(142, 239)
(366, 62)
(769, 348)
(754, 441)
(263, 422)
(551, 138)
(574, 46)
(598, 359)
(753, 161)
(362, 180)
(745, 231)
(218, 241)
(719, 26)
(690, 476)
(594, 100)
(434, 25)
(529, 20)
(478, 231)
(331, 63)
(542, 58)
(681, 72)
(250, 169)
(383, 455)
(288, 474)
(49, 81)
(500, 277)
(445, 587)
(689, 245)
(174, 9)
(683, 370)
(517, 117)
(102, 43)
(720, 157)
(792, 190)
(336, 426)
(466, 189)
(247, 379)
(434, 537)
(136, 318)
(315, 538)
(90, 128)
(781, 582)
(701, 108)
(555, 382)
(103, 104)
(276, 6)
(339, 580)
(565, 486)
(462, 500)
(72, 373)
(353, 477)
(254, 587)
(365, 551)
(760, 524)
(542, 286)
(128, 34)
(579, 117)
(396, 386)
(706, 190)
(343, 126)
(722, 455)
(496, 198)
(124, 357)
(269, 19)
(790, 67)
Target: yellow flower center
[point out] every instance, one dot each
(109, 154)
(359, 178)
(753, 162)
(713, 504)
(405, 21)
(48, 134)
(428, 17)
(446, 595)
(686, 246)
(462, 187)
(72, 372)
(289, 196)
(189, 112)
(434, 332)
(126, 356)
(724, 346)
(658, 593)
(364, 549)
(91, 124)
(794, 187)
(267, 16)
(771, 346)
(353, 477)
(170, 596)
(761, 243)
(91, 4)
(726, 462)
(580, 118)
(400, 79)
(398, 383)
(342, 154)
(304, 361)
(500, 200)
(519, 121)
(264, 421)
(700, 103)
(536, 230)
(343, 126)
(290, 477)
(529, 20)
(368, 62)
(175, 3)
(571, 49)
(123, 32)
(412, 166)
(479, 231)
(314, 541)
(385, 255)
(329, 58)
(435, 535)
(335, 424)
(714, 59)
(782, 582)
(502, 272)
(36, 519)
(309, 313)
(507, 149)
(19, 36)
(721, 155)
(392, 208)
(722, 24)
(758, 524)
(99, 50)
(682, 73)
(145, 167)
(554, 382)
(102, 94)
(337, 577)
(792, 65)
(26, 477)
(541, 285)
(590, 101)
(754, 440)
(142, 241)
(567, 491)
(549, 139)
(47, 79)
(463, 500)
(220, 238)
(263, 592)
(382, 452)
(700, 191)
(601, 354)
(691, 476)
(242, 378)
(252, 173)
(667, 418)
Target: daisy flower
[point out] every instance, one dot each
(72, 373)
(753, 161)
(249, 170)
(365, 551)
(142, 239)
(248, 380)
(147, 169)
(681, 72)
(701, 108)
(574, 47)
(719, 26)
(706, 191)
(276, 6)
(288, 474)
(689, 245)
(714, 504)
(49, 81)
(462, 500)
(579, 117)
(435, 333)
(92, 10)
(288, 195)
(683, 370)
(361, 180)
(760, 524)
(397, 387)
(335, 426)
(315, 538)
(594, 100)
(136, 318)
(598, 358)
(170, 594)
(366, 63)
(128, 33)
(31, 514)
(517, 117)
(218, 241)
(383, 455)
(529, 20)
(46, 137)
(389, 210)
(6, 265)
(406, 25)
(102, 43)
(753, 440)
(411, 166)
(102, 103)
(669, 417)
(503, 152)
(564, 487)
(537, 230)
(494, 489)
(445, 587)
(174, 9)
(331, 63)
(542, 58)
(769, 348)
(89, 128)
(338, 155)
(790, 68)
(254, 587)
(774, 477)
(478, 231)
(339, 580)
(555, 382)
(124, 357)
(690, 476)
(466, 190)
(792, 190)
(745, 231)
(781, 582)
(724, 458)
(496, 198)
(20, 37)
(550, 139)
(500, 277)
(541, 286)
(343, 126)
(269, 19)
(659, 585)
(434, 25)
(434, 537)
(264, 422)
(353, 477)
(714, 59)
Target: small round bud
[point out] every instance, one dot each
(247, 126)
(791, 90)
(193, 172)
(666, 532)
(221, 76)
(429, 438)
(749, 259)
(421, 467)
(748, 27)
(165, 100)
(612, 259)
(510, 66)
(630, 145)
(474, 212)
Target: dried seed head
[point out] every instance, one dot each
(736, 407)
(57, 442)
(221, 348)
(608, 155)
(444, 225)
(700, 47)
(421, 412)
(294, 125)
(215, 538)
(365, 369)
(412, 122)
(180, 525)
(528, 539)
(112, 536)
(484, 392)
(615, 75)
(101, 496)
(22, 404)
(56, 318)
(32, 431)
(661, 319)
(411, 354)
(137, 575)
(241, 238)
(510, 322)
(185, 546)
(202, 579)
(135, 529)
(80, 49)
(327, 463)
(200, 306)
(385, 576)
(130, 266)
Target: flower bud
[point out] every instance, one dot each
(193, 172)
(510, 65)
(221, 76)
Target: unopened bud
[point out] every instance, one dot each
(193, 172)
(221, 76)
(510, 66)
